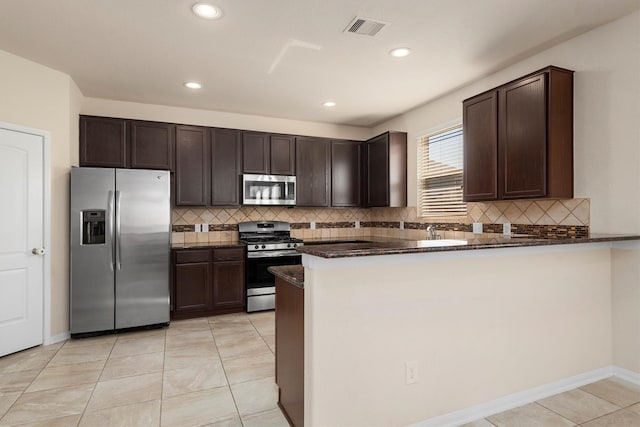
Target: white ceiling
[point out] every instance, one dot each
(143, 50)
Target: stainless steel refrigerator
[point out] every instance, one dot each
(119, 250)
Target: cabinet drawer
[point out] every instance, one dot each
(228, 254)
(185, 257)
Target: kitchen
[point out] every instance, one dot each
(605, 109)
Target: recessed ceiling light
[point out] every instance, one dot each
(399, 52)
(207, 11)
(329, 104)
(193, 85)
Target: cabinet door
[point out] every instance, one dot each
(192, 169)
(480, 143)
(228, 284)
(283, 155)
(377, 166)
(346, 173)
(103, 142)
(152, 145)
(313, 172)
(192, 287)
(255, 152)
(522, 139)
(225, 167)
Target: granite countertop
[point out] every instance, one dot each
(387, 246)
(207, 245)
(293, 274)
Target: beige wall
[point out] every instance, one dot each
(162, 113)
(625, 273)
(39, 97)
(479, 325)
(607, 129)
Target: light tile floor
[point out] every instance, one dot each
(217, 372)
(607, 403)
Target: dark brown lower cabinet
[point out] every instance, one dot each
(290, 350)
(207, 282)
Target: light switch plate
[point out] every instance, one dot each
(205, 228)
(401, 225)
(198, 228)
(357, 224)
(477, 228)
(506, 229)
(313, 225)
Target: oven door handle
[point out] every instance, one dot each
(272, 254)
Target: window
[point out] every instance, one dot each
(440, 173)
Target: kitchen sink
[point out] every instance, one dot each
(440, 242)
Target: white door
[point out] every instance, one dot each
(21, 239)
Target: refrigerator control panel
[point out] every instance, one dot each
(93, 227)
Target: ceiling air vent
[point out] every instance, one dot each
(365, 26)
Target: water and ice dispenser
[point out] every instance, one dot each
(93, 227)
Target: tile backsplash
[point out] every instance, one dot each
(548, 217)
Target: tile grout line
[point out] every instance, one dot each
(95, 385)
(164, 358)
(226, 377)
(34, 378)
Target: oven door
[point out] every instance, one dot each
(259, 280)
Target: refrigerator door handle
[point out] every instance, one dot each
(118, 248)
(110, 215)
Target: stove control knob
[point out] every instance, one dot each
(256, 247)
(288, 245)
(295, 244)
(263, 246)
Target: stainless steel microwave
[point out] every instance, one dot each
(268, 190)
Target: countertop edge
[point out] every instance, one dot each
(389, 249)
(293, 274)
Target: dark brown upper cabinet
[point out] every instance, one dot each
(120, 143)
(386, 170)
(255, 152)
(152, 145)
(313, 172)
(192, 166)
(480, 136)
(518, 139)
(282, 155)
(103, 142)
(225, 167)
(346, 173)
(264, 153)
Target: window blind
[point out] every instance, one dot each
(440, 174)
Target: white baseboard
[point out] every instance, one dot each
(627, 375)
(515, 400)
(57, 338)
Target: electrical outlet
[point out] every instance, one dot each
(477, 228)
(313, 225)
(357, 224)
(506, 229)
(411, 372)
(401, 225)
(205, 228)
(198, 228)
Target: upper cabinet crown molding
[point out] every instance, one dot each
(518, 138)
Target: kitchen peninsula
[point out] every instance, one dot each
(484, 325)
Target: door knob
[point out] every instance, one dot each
(38, 251)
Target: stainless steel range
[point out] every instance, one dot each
(269, 243)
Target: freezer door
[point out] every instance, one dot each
(142, 218)
(91, 249)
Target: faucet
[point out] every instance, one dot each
(431, 233)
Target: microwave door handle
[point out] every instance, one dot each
(118, 247)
